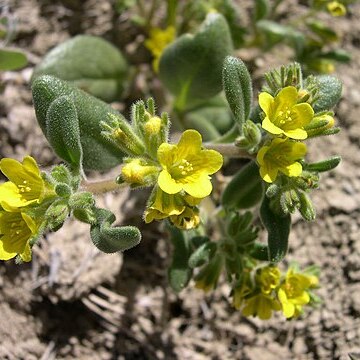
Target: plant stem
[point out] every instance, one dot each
(102, 186)
(229, 150)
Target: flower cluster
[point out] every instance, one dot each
(270, 291)
(182, 180)
(178, 173)
(285, 120)
(26, 191)
(288, 120)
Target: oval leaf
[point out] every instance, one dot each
(90, 62)
(330, 89)
(179, 271)
(278, 228)
(98, 153)
(191, 66)
(63, 131)
(245, 189)
(11, 59)
(238, 88)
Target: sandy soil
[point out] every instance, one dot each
(73, 302)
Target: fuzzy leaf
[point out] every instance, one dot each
(330, 89)
(63, 133)
(325, 165)
(202, 254)
(238, 88)
(98, 153)
(191, 66)
(90, 62)
(245, 189)
(278, 228)
(211, 119)
(110, 239)
(179, 271)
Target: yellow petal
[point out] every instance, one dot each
(297, 134)
(261, 153)
(4, 254)
(207, 161)
(200, 188)
(10, 199)
(168, 184)
(189, 143)
(269, 173)
(265, 101)
(302, 114)
(166, 153)
(270, 127)
(287, 97)
(294, 169)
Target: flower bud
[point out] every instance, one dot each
(138, 173)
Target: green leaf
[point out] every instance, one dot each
(63, 133)
(337, 55)
(325, 165)
(179, 271)
(238, 88)
(327, 34)
(91, 63)
(191, 66)
(245, 189)
(98, 153)
(110, 239)
(202, 254)
(330, 89)
(274, 33)
(278, 228)
(259, 251)
(12, 59)
(212, 119)
(261, 9)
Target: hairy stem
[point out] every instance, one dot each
(229, 150)
(102, 186)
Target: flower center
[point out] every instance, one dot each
(15, 228)
(181, 169)
(284, 116)
(24, 187)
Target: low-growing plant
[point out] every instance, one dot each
(215, 224)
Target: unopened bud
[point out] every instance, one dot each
(137, 172)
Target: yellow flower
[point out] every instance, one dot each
(284, 115)
(242, 290)
(280, 155)
(186, 166)
(25, 187)
(293, 293)
(157, 42)
(260, 305)
(188, 219)
(268, 278)
(16, 229)
(163, 205)
(336, 9)
(138, 172)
